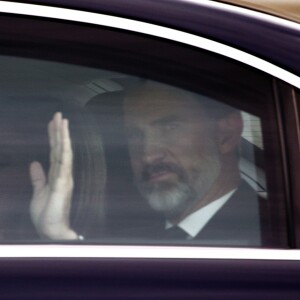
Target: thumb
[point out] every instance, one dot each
(37, 176)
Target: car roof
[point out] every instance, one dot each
(287, 9)
(259, 34)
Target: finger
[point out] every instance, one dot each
(54, 129)
(37, 176)
(67, 154)
(51, 143)
(54, 126)
(63, 185)
(57, 120)
(38, 181)
(51, 133)
(52, 139)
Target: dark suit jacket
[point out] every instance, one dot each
(237, 223)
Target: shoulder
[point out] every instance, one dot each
(237, 223)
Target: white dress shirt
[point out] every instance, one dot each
(196, 221)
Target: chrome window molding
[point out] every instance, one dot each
(145, 252)
(159, 31)
(153, 252)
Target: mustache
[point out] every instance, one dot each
(151, 169)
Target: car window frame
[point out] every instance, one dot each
(294, 82)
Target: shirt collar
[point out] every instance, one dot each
(195, 222)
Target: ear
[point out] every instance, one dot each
(229, 131)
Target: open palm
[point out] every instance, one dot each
(52, 194)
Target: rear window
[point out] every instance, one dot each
(92, 155)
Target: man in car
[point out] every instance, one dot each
(184, 156)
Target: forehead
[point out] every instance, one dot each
(153, 101)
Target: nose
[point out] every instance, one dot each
(154, 149)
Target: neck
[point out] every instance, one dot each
(222, 185)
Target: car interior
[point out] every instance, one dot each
(32, 91)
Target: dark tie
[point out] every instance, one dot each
(175, 233)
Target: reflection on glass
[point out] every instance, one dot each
(130, 161)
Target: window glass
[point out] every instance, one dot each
(96, 156)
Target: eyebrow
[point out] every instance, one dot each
(159, 122)
(166, 120)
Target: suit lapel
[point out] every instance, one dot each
(236, 223)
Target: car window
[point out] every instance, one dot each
(146, 156)
(106, 142)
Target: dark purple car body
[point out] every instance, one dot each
(273, 40)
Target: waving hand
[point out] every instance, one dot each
(52, 194)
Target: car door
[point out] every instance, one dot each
(83, 64)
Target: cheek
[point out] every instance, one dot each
(192, 151)
(192, 140)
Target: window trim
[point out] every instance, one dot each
(136, 250)
(157, 31)
(146, 252)
(290, 144)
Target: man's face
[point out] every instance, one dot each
(173, 148)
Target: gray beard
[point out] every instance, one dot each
(170, 199)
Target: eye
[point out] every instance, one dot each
(171, 126)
